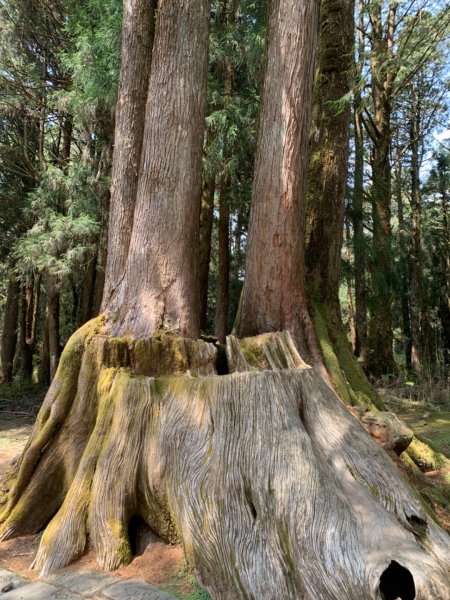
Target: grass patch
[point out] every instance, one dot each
(185, 586)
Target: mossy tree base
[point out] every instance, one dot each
(273, 487)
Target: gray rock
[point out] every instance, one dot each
(32, 591)
(8, 579)
(84, 583)
(134, 589)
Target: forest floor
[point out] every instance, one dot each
(164, 565)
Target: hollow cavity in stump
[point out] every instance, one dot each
(273, 487)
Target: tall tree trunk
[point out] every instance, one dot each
(9, 333)
(136, 59)
(327, 181)
(444, 259)
(51, 348)
(167, 204)
(27, 313)
(223, 279)
(87, 293)
(223, 271)
(206, 225)
(52, 317)
(404, 274)
(273, 296)
(379, 359)
(359, 249)
(415, 260)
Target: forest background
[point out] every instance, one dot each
(59, 69)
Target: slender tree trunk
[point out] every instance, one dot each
(359, 249)
(27, 342)
(136, 59)
(415, 257)
(206, 225)
(223, 279)
(44, 363)
(273, 296)
(9, 333)
(87, 293)
(444, 259)
(379, 359)
(404, 274)
(52, 317)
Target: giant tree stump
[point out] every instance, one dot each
(274, 489)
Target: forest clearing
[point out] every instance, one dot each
(225, 303)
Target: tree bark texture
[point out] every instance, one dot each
(28, 323)
(327, 173)
(87, 293)
(418, 305)
(216, 461)
(359, 249)
(223, 279)
(137, 41)
(206, 226)
(52, 317)
(273, 296)
(404, 272)
(327, 177)
(166, 219)
(9, 332)
(379, 359)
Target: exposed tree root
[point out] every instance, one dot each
(274, 488)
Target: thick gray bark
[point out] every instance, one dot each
(275, 489)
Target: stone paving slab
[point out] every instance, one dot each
(32, 591)
(10, 580)
(76, 584)
(134, 589)
(86, 583)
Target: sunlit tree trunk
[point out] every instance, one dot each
(273, 297)
(136, 58)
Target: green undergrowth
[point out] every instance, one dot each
(185, 586)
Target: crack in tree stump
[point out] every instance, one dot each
(273, 487)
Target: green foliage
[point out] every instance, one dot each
(64, 212)
(92, 56)
(185, 586)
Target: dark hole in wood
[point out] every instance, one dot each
(140, 535)
(397, 582)
(251, 504)
(419, 526)
(222, 361)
